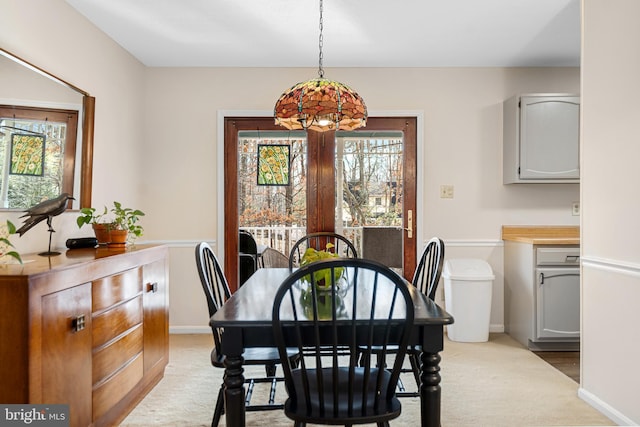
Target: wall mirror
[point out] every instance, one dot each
(46, 136)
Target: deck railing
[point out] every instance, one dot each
(283, 238)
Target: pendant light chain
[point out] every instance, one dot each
(320, 104)
(320, 69)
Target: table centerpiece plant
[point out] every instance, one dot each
(322, 283)
(322, 278)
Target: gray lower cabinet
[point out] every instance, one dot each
(542, 295)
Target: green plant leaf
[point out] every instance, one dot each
(15, 255)
(11, 229)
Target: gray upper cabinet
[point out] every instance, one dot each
(541, 138)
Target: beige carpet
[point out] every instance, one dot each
(498, 383)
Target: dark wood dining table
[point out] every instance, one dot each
(246, 319)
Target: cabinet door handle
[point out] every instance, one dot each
(78, 323)
(550, 276)
(152, 287)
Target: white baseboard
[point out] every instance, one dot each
(498, 329)
(604, 408)
(189, 330)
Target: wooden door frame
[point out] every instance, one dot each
(232, 125)
(321, 178)
(228, 121)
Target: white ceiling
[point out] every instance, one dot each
(357, 33)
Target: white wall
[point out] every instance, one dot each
(462, 146)
(165, 122)
(53, 36)
(610, 238)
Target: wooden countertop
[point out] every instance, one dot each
(34, 264)
(542, 235)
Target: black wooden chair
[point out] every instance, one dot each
(341, 246)
(217, 292)
(247, 255)
(272, 258)
(429, 269)
(375, 313)
(425, 278)
(319, 240)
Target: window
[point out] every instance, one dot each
(37, 154)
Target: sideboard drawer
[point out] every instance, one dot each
(108, 393)
(111, 323)
(110, 358)
(111, 290)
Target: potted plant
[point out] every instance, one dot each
(98, 223)
(322, 277)
(322, 283)
(5, 244)
(125, 226)
(121, 224)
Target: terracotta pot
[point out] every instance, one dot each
(102, 233)
(118, 238)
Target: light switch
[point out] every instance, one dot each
(446, 191)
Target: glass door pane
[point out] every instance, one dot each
(272, 187)
(369, 194)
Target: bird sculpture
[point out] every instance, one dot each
(44, 210)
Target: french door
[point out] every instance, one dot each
(348, 182)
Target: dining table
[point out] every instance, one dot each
(247, 321)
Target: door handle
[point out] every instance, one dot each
(409, 229)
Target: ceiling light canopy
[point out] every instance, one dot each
(320, 104)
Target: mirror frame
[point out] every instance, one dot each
(89, 108)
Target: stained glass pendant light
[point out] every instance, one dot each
(320, 104)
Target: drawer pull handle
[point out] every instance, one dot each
(152, 287)
(78, 323)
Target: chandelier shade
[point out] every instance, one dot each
(320, 104)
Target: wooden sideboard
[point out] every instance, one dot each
(88, 328)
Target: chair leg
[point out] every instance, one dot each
(415, 366)
(296, 362)
(381, 362)
(364, 359)
(217, 413)
(271, 370)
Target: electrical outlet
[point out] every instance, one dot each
(446, 191)
(575, 208)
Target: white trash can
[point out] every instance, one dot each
(467, 297)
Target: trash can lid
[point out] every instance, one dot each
(467, 269)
